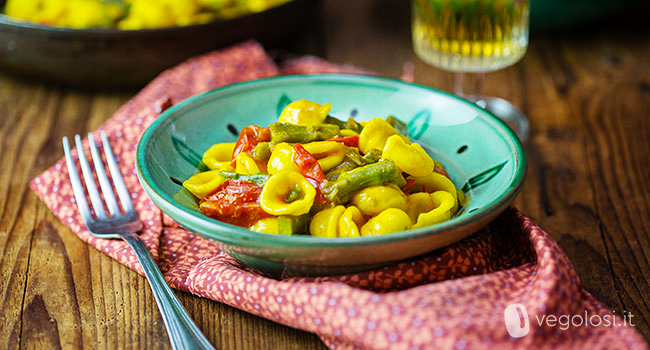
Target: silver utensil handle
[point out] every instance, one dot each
(183, 333)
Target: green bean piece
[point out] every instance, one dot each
(373, 156)
(352, 155)
(293, 225)
(353, 125)
(331, 120)
(351, 160)
(318, 206)
(340, 190)
(262, 151)
(294, 195)
(399, 125)
(259, 179)
(350, 124)
(399, 181)
(335, 172)
(281, 132)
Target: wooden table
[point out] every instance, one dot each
(587, 95)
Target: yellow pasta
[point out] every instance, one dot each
(388, 221)
(246, 165)
(147, 14)
(130, 14)
(411, 159)
(338, 221)
(436, 182)
(276, 190)
(219, 156)
(328, 153)
(443, 202)
(350, 222)
(418, 203)
(375, 199)
(281, 159)
(374, 135)
(325, 222)
(348, 132)
(202, 184)
(303, 112)
(268, 225)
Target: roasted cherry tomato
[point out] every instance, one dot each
(310, 169)
(249, 137)
(409, 183)
(350, 141)
(307, 164)
(236, 202)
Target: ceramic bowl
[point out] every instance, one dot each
(482, 155)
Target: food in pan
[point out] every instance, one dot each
(131, 14)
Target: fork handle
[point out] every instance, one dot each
(183, 333)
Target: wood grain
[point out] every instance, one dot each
(587, 95)
(57, 292)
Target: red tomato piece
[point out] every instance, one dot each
(308, 164)
(409, 184)
(249, 137)
(310, 169)
(350, 141)
(320, 197)
(235, 202)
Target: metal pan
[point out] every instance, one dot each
(112, 58)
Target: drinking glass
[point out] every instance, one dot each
(474, 36)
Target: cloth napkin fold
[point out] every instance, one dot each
(453, 298)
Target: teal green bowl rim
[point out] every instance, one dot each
(235, 235)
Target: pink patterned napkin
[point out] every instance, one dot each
(454, 298)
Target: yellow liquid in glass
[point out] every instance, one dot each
(470, 35)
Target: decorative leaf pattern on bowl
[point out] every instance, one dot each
(188, 154)
(419, 124)
(483, 177)
(282, 103)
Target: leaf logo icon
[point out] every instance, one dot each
(516, 319)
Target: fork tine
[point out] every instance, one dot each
(122, 191)
(104, 182)
(93, 193)
(77, 187)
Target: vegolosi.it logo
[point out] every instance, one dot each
(517, 322)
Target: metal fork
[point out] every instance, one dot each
(183, 333)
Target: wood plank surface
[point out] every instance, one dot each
(586, 93)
